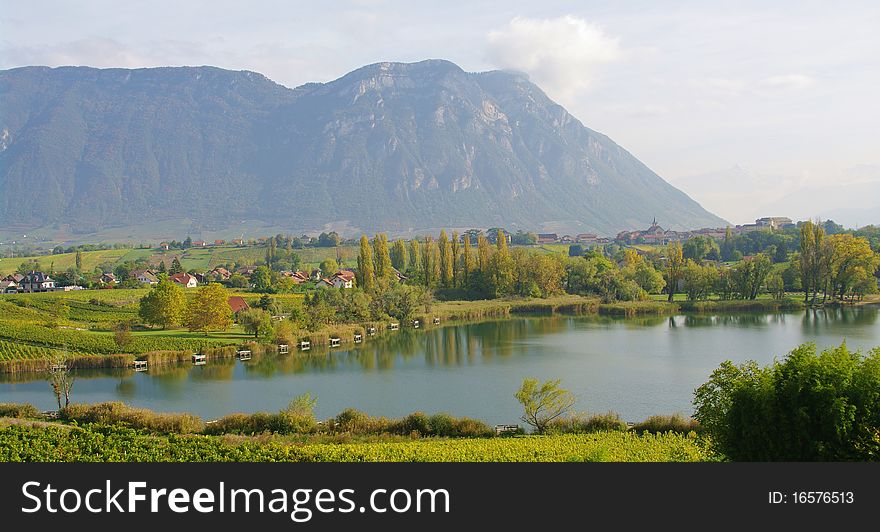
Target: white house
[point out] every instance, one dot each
(185, 280)
(340, 279)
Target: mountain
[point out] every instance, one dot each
(390, 146)
(848, 196)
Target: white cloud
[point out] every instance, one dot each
(562, 55)
(789, 81)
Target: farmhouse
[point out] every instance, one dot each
(220, 273)
(340, 279)
(184, 279)
(36, 282)
(144, 276)
(108, 278)
(547, 238)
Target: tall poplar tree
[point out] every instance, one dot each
(382, 257)
(467, 263)
(415, 256)
(456, 261)
(365, 276)
(399, 255)
(445, 250)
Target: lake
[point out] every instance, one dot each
(634, 366)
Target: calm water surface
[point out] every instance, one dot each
(637, 367)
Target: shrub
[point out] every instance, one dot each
(116, 413)
(674, 423)
(807, 407)
(582, 424)
(415, 422)
(261, 423)
(19, 410)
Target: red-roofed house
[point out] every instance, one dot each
(340, 279)
(185, 280)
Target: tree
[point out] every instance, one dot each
(122, 334)
(674, 268)
(79, 261)
(501, 267)
(698, 281)
(415, 257)
(749, 276)
(382, 257)
(175, 266)
(456, 260)
(328, 240)
(262, 279)
(256, 321)
(850, 258)
(209, 310)
(542, 403)
(811, 259)
(467, 263)
(807, 407)
(162, 268)
(164, 304)
(698, 248)
(329, 267)
(365, 277)
(60, 378)
(445, 259)
(400, 255)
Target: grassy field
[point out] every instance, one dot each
(30, 441)
(191, 259)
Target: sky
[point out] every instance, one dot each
(752, 108)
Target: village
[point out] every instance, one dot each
(655, 235)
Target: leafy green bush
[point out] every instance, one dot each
(807, 407)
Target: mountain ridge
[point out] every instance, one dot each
(388, 146)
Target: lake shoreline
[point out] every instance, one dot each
(437, 314)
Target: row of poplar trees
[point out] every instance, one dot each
(445, 263)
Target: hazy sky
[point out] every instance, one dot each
(788, 91)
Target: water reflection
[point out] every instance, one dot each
(470, 344)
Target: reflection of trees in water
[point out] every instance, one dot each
(79, 374)
(126, 388)
(222, 369)
(744, 320)
(815, 320)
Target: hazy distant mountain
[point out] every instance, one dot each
(741, 194)
(389, 146)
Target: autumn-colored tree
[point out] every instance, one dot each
(850, 258)
(456, 260)
(365, 276)
(415, 256)
(209, 310)
(446, 267)
(382, 257)
(467, 263)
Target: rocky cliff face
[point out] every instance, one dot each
(389, 146)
